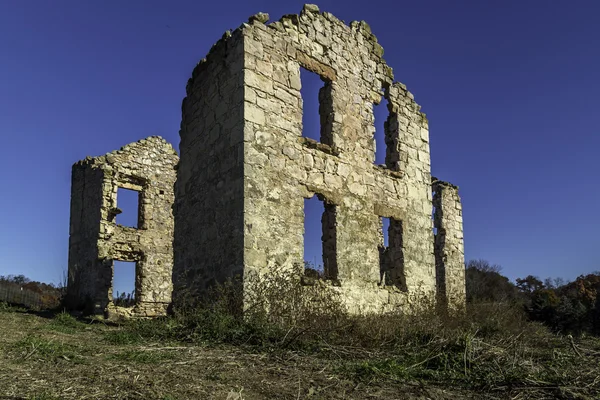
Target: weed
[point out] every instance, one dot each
(142, 356)
(122, 337)
(6, 307)
(488, 347)
(38, 348)
(65, 323)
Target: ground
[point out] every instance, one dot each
(57, 357)
(45, 359)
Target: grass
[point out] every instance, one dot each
(66, 323)
(4, 306)
(144, 356)
(43, 349)
(489, 349)
(295, 351)
(122, 337)
(44, 396)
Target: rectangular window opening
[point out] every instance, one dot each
(380, 116)
(433, 212)
(320, 258)
(317, 107)
(124, 283)
(391, 255)
(128, 208)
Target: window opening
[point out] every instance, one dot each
(380, 116)
(313, 245)
(391, 255)
(124, 283)
(435, 230)
(320, 259)
(317, 109)
(128, 204)
(385, 225)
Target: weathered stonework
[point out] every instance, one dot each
(246, 168)
(146, 166)
(449, 244)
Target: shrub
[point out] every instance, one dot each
(279, 312)
(490, 345)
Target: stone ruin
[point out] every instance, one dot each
(246, 167)
(96, 241)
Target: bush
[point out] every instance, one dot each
(277, 312)
(280, 313)
(490, 345)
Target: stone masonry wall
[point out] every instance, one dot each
(282, 168)
(242, 141)
(449, 245)
(86, 204)
(96, 241)
(209, 207)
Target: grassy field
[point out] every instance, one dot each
(55, 356)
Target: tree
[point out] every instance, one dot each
(530, 284)
(567, 308)
(486, 284)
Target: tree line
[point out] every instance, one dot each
(566, 307)
(20, 290)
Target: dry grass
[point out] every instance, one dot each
(40, 362)
(303, 348)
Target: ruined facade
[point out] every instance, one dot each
(246, 167)
(449, 245)
(96, 241)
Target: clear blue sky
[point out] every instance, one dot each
(510, 89)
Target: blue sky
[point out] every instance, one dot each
(510, 89)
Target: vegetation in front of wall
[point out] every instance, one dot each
(300, 340)
(492, 347)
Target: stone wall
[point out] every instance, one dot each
(209, 192)
(449, 245)
(96, 241)
(246, 166)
